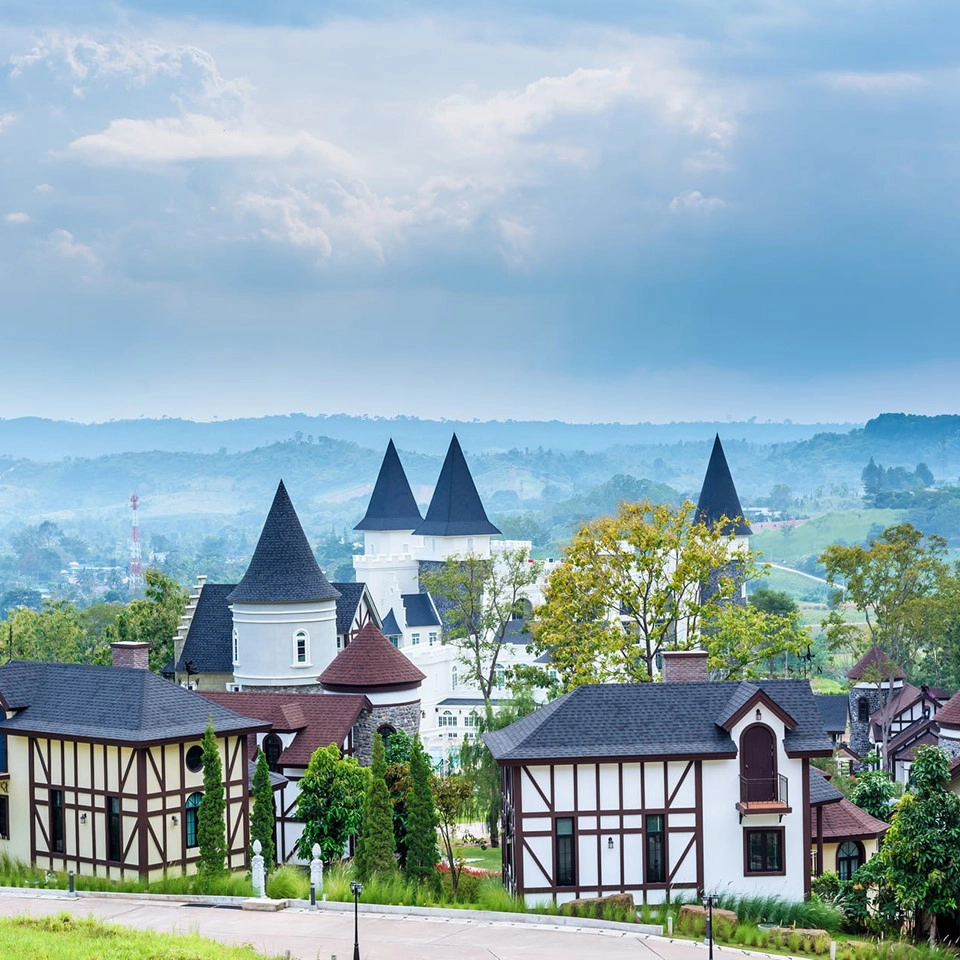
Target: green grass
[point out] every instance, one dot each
(65, 937)
(489, 859)
(288, 882)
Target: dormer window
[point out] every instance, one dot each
(301, 649)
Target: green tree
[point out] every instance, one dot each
(375, 847)
(743, 641)
(451, 796)
(920, 856)
(57, 632)
(330, 802)
(211, 822)
(479, 597)
(263, 817)
(633, 585)
(773, 601)
(397, 755)
(154, 619)
(421, 839)
(874, 792)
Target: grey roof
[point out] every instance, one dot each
(822, 790)
(390, 626)
(455, 509)
(208, 648)
(418, 610)
(350, 596)
(466, 702)
(652, 719)
(392, 506)
(741, 695)
(833, 709)
(514, 633)
(276, 779)
(117, 704)
(283, 568)
(718, 495)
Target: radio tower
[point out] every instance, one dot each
(136, 561)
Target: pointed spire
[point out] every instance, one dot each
(456, 509)
(283, 568)
(718, 495)
(392, 506)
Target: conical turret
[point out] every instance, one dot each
(392, 506)
(718, 495)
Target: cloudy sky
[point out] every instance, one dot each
(593, 210)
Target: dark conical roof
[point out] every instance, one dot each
(283, 568)
(391, 506)
(718, 495)
(456, 509)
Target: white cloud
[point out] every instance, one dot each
(65, 244)
(517, 242)
(17, 217)
(696, 202)
(6, 119)
(43, 188)
(866, 82)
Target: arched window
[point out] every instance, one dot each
(863, 710)
(850, 858)
(447, 719)
(499, 677)
(453, 678)
(301, 648)
(190, 818)
(272, 748)
(386, 730)
(236, 646)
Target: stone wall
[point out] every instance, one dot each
(860, 732)
(405, 717)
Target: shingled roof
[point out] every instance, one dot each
(876, 662)
(949, 714)
(207, 648)
(283, 568)
(455, 509)
(349, 601)
(833, 709)
(419, 611)
(370, 661)
(115, 704)
(846, 821)
(652, 720)
(392, 506)
(822, 791)
(390, 627)
(718, 495)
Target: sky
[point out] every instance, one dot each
(590, 211)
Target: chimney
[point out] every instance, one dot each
(127, 653)
(684, 666)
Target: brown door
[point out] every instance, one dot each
(758, 766)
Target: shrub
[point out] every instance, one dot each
(467, 887)
(288, 883)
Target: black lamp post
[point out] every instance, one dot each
(357, 889)
(708, 901)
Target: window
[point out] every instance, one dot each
(453, 678)
(653, 847)
(758, 764)
(339, 641)
(432, 637)
(863, 710)
(3, 753)
(472, 719)
(190, 818)
(850, 858)
(499, 677)
(386, 730)
(415, 639)
(566, 875)
(469, 544)
(447, 719)
(4, 818)
(301, 648)
(194, 759)
(236, 646)
(114, 847)
(56, 821)
(763, 851)
(272, 748)
(394, 640)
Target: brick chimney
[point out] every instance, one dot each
(684, 666)
(127, 653)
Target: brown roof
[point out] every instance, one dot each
(875, 658)
(912, 733)
(846, 821)
(949, 713)
(371, 660)
(955, 769)
(317, 719)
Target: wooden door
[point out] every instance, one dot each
(758, 764)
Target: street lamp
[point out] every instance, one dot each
(357, 889)
(708, 901)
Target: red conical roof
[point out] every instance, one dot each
(371, 660)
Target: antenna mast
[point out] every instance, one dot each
(136, 560)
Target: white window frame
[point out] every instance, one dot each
(415, 639)
(453, 678)
(297, 636)
(236, 646)
(432, 637)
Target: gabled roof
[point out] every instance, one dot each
(743, 699)
(902, 700)
(392, 506)
(351, 595)
(718, 495)
(455, 509)
(846, 821)
(315, 719)
(390, 627)
(876, 661)
(115, 704)
(822, 791)
(652, 720)
(419, 611)
(833, 709)
(949, 714)
(369, 662)
(208, 645)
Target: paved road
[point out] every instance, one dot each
(327, 934)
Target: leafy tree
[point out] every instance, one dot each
(375, 847)
(773, 601)
(57, 632)
(330, 802)
(397, 755)
(451, 796)
(873, 792)
(421, 839)
(479, 597)
(920, 856)
(154, 619)
(633, 585)
(263, 817)
(211, 822)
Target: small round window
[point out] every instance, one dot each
(195, 758)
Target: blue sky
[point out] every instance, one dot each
(590, 211)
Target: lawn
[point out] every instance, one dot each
(489, 859)
(65, 937)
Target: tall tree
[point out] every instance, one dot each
(263, 818)
(422, 853)
(375, 847)
(330, 803)
(632, 585)
(57, 632)
(874, 792)
(211, 822)
(451, 796)
(154, 619)
(397, 755)
(479, 597)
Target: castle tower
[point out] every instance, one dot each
(284, 609)
(874, 679)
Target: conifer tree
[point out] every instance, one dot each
(263, 818)
(422, 852)
(376, 848)
(211, 825)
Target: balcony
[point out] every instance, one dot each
(764, 795)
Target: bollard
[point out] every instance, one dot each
(70, 881)
(313, 896)
(833, 950)
(669, 924)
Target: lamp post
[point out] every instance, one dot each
(357, 889)
(708, 901)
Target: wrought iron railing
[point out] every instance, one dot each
(773, 789)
